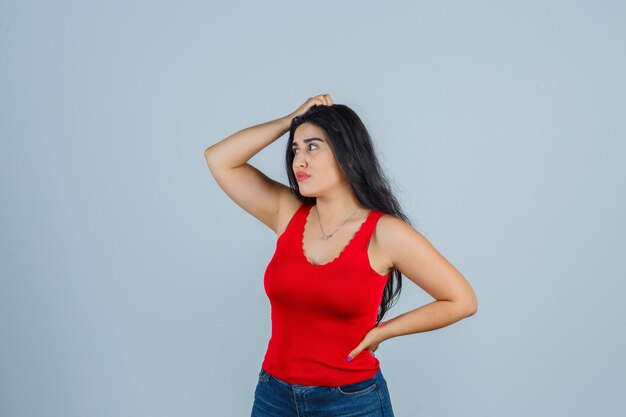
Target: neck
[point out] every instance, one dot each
(334, 210)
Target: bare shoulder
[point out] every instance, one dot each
(288, 205)
(390, 228)
(379, 249)
(392, 235)
(411, 253)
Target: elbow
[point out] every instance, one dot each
(471, 307)
(208, 155)
(472, 311)
(467, 307)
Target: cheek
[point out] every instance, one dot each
(336, 170)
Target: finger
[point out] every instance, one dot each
(353, 354)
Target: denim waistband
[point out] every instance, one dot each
(266, 376)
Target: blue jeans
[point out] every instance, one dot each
(276, 398)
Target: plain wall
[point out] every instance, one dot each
(131, 285)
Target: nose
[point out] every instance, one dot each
(299, 160)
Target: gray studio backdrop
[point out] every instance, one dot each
(131, 285)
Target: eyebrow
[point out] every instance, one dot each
(294, 144)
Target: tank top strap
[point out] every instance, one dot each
(296, 224)
(362, 239)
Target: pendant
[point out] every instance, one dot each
(325, 237)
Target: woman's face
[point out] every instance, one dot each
(313, 156)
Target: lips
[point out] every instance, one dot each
(301, 176)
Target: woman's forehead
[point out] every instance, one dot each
(308, 131)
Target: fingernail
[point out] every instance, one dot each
(349, 358)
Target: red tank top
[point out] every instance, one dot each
(321, 312)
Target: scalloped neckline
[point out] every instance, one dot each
(303, 252)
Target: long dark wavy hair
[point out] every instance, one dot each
(352, 146)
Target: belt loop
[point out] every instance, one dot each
(264, 375)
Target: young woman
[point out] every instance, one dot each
(342, 247)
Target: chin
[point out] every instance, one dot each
(306, 193)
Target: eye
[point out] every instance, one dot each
(295, 150)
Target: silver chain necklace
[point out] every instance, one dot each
(324, 235)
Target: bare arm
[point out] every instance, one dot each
(248, 187)
(238, 148)
(417, 259)
(252, 190)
